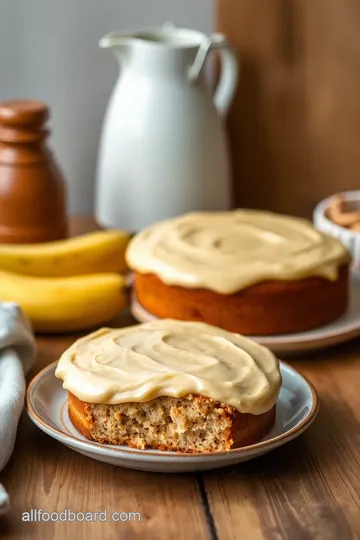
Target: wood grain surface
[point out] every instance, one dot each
(294, 126)
(308, 489)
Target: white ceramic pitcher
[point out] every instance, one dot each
(163, 149)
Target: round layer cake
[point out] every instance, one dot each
(171, 385)
(246, 271)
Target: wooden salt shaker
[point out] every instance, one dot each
(32, 188)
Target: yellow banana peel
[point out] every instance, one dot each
(92, 253)
(56, 305)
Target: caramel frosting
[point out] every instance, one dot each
(228, 251)
(171, 358)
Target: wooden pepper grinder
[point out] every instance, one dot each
(32, 188)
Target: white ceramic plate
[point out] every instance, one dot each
(47, 406)
(345, 328)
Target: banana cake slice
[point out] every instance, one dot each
(170, 385)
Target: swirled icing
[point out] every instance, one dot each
(171, 358)
(228, 251)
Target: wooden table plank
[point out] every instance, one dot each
(310, 488)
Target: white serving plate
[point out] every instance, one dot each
(345, 328)
(47, 407)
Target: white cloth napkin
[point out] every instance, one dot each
(17, 354)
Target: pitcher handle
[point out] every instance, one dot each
(226, 87)
(229, 74)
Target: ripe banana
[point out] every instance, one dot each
(65, 304)
(96, 252)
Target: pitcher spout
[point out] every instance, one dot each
(114, 40)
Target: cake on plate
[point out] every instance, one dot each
(171, 385)
(246, 271)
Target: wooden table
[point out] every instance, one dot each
(308, 489)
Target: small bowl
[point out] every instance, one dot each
(350, 239)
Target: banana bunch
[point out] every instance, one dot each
(67, 285)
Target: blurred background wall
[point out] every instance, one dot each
(49, 51)
(295, 123)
